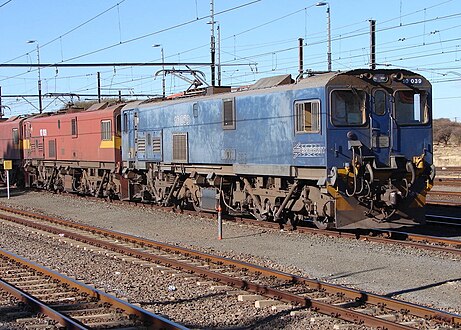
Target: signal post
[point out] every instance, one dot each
(7, 166)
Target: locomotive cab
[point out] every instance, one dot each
(381, 158)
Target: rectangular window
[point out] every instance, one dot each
(73, 127)
(119, 125)
(15, 136)
(106, 130)
(59, 124)
(27, 130)
(228, 114)
(125, 123)
(411, 107)
(348, 107)
(307, 117)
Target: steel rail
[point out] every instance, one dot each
(443, 220)
(442, 203)
(40, 306)
(357, 295)
(153, 321)
(415, 237)
(321, 307)
(443, 192)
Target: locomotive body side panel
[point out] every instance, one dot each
(74, 137)
(260, 138)
(75, 151)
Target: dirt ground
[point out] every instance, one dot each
(447, 156)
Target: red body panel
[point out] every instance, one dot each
(73, 136)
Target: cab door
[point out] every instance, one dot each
(129, 134)
(381, 127)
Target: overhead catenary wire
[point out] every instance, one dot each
(5, 3)
(286, 49)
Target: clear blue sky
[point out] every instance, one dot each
(259, 38)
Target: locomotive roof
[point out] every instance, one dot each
(273, 84)
(95, 110)
(262, 86)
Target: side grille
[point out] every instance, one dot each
(52, 149)
(157, 145)
(141, 145)
(180, 149)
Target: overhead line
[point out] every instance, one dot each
(149, 34)
(5, 3)
(71, 30)
(159, 31)
(57, 65)
(66, 65)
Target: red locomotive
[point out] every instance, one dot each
(74, 150)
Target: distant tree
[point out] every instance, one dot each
(445, 130)
(442, 134)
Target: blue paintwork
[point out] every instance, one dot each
(405, 141)
(264, 133)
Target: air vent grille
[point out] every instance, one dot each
(180, 148)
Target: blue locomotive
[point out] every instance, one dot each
(342, 149)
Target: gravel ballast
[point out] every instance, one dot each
(423, 277)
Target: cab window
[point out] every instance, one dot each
(410, 107)
(348, 107)
(379, 104)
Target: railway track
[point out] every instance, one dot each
(443, 220)
(448, 182)
(424, 242)
(64, 302)
(265, 286)
(443, 197)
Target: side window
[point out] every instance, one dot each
(228, 114)
(15, 133)
(136, 120)
(73, 127)
(59, 124)
(348, 107)
(106, 130)
(27, 130)
(125, 123)
(379, 105)
(307, 117)
(195, 110)
(119, 125)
